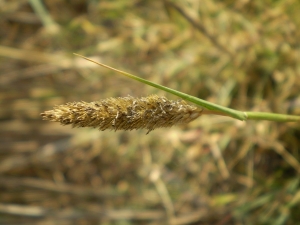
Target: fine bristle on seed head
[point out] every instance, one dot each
(124, 113)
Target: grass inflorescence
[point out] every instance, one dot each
(124, 113)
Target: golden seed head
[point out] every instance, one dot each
(126, 113)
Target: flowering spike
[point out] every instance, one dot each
(124, 113)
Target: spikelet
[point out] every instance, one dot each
(124, 113)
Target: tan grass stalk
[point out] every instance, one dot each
(124, 113)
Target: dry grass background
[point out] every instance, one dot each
(241, 54)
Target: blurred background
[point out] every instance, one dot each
(215, 170)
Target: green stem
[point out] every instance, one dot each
(259, 116)
(43, 14)
(272, 117)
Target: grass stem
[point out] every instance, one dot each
(210, 108)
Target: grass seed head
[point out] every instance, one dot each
(124, 113)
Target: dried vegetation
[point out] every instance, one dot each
(215, 170)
